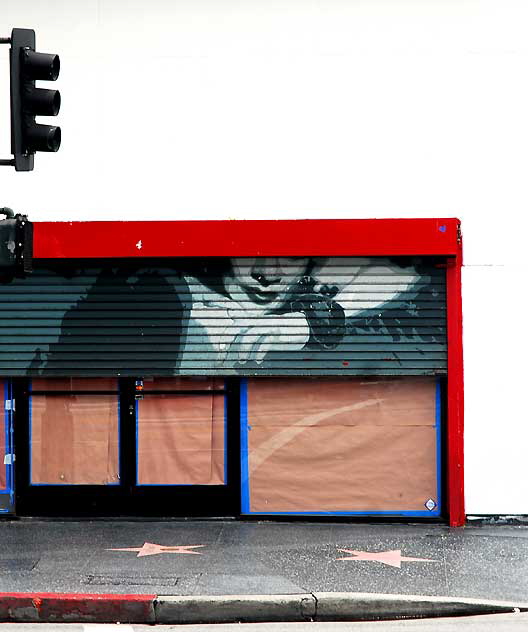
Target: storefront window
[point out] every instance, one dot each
(74, 439)
(181, 439)
(336, 445)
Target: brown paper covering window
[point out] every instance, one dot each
(342, 444)
(181, 440)
(74, 384)
(74, 439)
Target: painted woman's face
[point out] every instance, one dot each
(265, 281)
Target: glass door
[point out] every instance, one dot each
(186, 450)
(138, 447)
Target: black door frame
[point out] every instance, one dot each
(127, 498)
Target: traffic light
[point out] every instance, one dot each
(28, 101)
(16, 245)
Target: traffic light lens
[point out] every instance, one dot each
(54, 138)
(55, 67)
(55, 103)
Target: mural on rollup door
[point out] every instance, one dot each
(268, 315)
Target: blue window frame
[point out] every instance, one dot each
(7, 491)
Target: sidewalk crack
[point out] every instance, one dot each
(316, 604)
(312, 608)
(445, 566)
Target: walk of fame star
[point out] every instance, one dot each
(155, 549)
(391, 558)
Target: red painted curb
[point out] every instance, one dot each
(76, 608)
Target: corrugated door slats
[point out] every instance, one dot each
(339, 316)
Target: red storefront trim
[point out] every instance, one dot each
(455, 394)
(354, 237)
(232, 238)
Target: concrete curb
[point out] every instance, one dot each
(371, 606)
(171, 609)
(235, 608)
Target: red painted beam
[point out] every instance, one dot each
(346, 237)
(455, 393)
(78, 608)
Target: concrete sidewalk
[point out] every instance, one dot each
(208, 558)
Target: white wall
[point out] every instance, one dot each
(194, 109)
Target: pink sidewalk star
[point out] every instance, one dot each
(391, 558)
(155, 549)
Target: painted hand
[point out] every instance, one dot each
(238, 338)
(286, 332)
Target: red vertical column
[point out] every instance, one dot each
(455, 393)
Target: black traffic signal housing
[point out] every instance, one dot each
(16, 246)
(27, 101)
